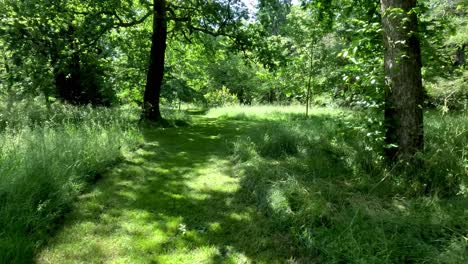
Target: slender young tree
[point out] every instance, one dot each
(403, 91)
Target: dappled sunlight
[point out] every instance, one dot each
(233, 131)
(237, 191)
(171, 201)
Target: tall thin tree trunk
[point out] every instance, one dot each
(403, 91)
(308, 95)
(151, 110)
(8, 84)
(309, 81)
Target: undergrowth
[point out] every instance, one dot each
(47, 157)
(323, 182)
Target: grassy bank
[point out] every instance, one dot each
(47, 157)
(324, 184)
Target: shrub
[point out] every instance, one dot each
(221, 97)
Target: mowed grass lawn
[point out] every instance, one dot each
(172, 201)
(266, 185)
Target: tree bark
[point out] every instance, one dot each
(151, 109)
(403, 82)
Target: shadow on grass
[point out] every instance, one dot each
(331, 199)
(174, 201)
(177, 200)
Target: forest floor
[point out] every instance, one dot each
(172, 201)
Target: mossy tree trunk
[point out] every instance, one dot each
(151, 109)
(404, 91)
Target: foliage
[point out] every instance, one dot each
(58, 43)
(269, 58)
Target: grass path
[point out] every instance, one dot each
(174, 200)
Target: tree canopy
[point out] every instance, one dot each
(281, 52)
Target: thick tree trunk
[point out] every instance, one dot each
(151, 110)
(403, 92)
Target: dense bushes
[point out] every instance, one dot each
(46, 159)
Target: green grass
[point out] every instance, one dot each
(268, 112)
(172, 201)
(266, 185)
(323, 182)
(47, 157)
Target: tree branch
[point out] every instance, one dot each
(131, 23)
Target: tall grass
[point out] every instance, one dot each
(32, 113)
(267, 112)
(324, 183)
(47, 156)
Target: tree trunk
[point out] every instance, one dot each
(151, 110)
(308, 95)
(403, 81)
(9, 84)
(309, 82)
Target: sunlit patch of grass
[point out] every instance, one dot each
(172, 201)
(269, 112)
